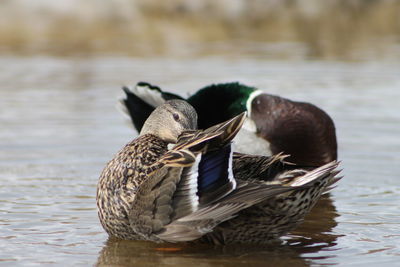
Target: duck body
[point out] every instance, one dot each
(277, 216)
(120, 181)
(199, 190)
(274, 124)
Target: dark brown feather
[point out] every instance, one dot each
(301, 130)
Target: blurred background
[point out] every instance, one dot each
(62, 65)
(284, 29)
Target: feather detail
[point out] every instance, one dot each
(215, 175)
(316, 173)
(178, 158)
(193, 174)
(151, 94)
(141, 100)
(186, 198)
(203, 221)
(199, 188)
(139, 110)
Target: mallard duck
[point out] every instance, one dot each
(274, 124)
(198, 189)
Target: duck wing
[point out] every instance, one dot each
(274, 169)
(260, 168)
(193, 189)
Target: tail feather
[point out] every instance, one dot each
(316, 174)
(332, 183)
(141, 100)
(149, 93)
(138, 109)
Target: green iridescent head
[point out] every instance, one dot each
(219, 102)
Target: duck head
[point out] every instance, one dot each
(299, 129)
(170, 119)
(217, 103)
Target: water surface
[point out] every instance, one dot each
(59, 126)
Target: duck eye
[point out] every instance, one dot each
(176, 116)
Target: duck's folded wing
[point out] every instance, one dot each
(192, 176)
(185, 183)
(152, 207)
(212, 138)
(201, 222)
(276, 170)
(212, 161)
(261, 168)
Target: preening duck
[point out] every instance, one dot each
(199, 189)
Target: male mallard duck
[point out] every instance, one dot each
(301, 130)
(199, 189)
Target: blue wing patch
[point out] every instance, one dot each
(215, 178)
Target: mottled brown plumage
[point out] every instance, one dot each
(197, 190)
(277, 216)
(120, 180)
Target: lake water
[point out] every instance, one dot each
(59, 126)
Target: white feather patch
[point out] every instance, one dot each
(250, 100)
(151, 97)
(249, 125)
(191, 183)
(230, 170)
(249, 143)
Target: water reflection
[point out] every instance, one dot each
(312, 236)
(134, 253)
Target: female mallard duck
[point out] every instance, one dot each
(275, 124)
(199, 189)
